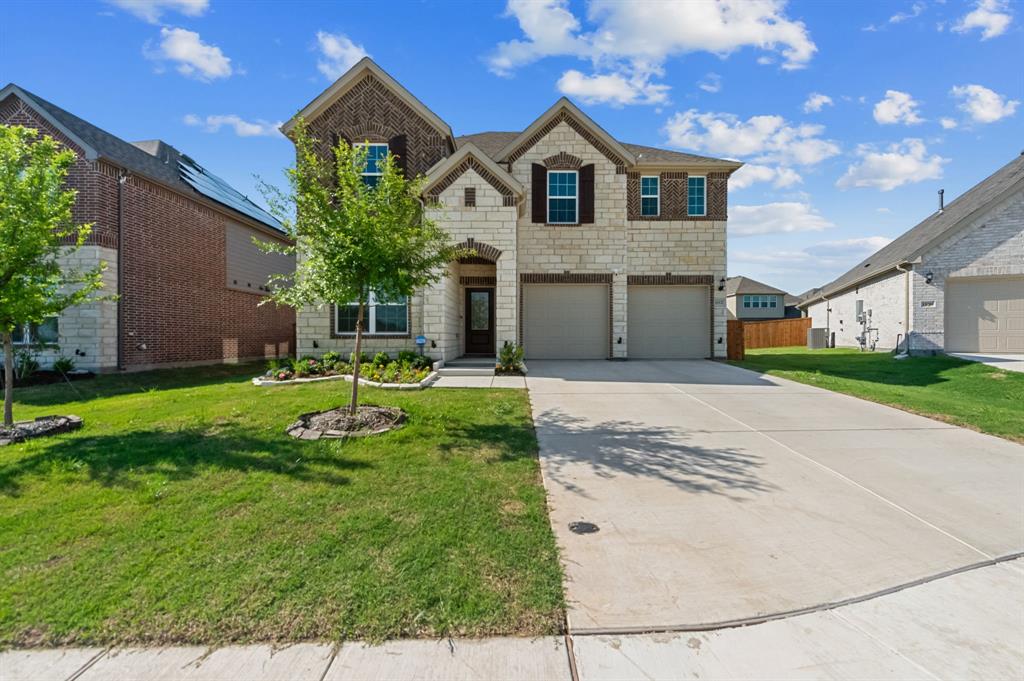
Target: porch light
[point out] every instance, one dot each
(928, 276)
(721, 284)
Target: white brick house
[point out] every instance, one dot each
(586, 247)
(953, 283)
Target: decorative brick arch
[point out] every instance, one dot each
(484, 252)
(563, 161)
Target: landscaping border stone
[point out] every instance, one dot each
(263, 381)
(32, 429)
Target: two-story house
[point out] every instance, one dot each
(585, 247)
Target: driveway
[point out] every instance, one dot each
(722, 495)
(1007, 362)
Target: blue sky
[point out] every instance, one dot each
(850, 115)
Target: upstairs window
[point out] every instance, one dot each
(696, 195)
(563, 197)
(758, 301)
(650, 196)
(381, 317)
(375, 155)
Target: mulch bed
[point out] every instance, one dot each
(41, 427)
(339, 423)
(46, 377)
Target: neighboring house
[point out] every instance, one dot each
(178, 246)
(586, 247)
(953, 283)
(749, 299)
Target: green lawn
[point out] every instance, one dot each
(183, 513)
(965, 393)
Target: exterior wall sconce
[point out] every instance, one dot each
(928, 277)
(721, 284)
(316, 344)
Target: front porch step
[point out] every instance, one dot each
(465, 371)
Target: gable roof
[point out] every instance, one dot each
(932, 230)
(448, 169)
(353, 76)
(563, 108)
(153, 159)
(737, 285)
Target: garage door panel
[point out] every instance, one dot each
(668, 322)
(565, 321)
(985, 315)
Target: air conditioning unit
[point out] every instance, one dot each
(817, 339)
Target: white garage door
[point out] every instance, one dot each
(668, 322)
(565, 321)
(985, 315)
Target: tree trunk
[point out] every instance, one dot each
(357, 360)
(8, 379)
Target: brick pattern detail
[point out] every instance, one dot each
(508, 196)
(674, 197)
(372, 336)
(371, 111)
(478, 281)
(670, 280)
(563, 161)
(717, 196)
(584, 132)
(485, 252)
(570, 278)
(469, 197)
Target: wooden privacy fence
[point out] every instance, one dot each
(773, 333)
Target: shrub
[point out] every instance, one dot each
(381, 359)
(63, 365)
(363, 358)
(510, 357)
(25, 363)
(331, 359)
(407, 356)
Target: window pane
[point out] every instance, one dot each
(695, 196)
(479, 310)
(561, 183)
(648, 206)
(46, 332)
(18, 335)
(391, 318)
(773, 302)
(562, 210)
(347, 315)
(374, 154)
(371, 180)
(648, 186)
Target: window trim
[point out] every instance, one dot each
(656, 196)
(760, 301)
(705, 201)
(371, 320)
(367, 146)
(575, 197)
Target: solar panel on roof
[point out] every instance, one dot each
(212, 187)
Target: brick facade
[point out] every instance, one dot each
(175, 307)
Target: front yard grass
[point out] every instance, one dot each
(182, 513)
(965, 393)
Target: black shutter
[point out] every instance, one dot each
(397, 148)
(587, 194)
(540, 193)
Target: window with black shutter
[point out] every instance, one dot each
(539, 192)
(587, 194)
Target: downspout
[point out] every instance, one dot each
(906, 304)
(121, 179)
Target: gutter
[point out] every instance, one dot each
(906, 303)
(856, 282)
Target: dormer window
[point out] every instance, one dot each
(375, 155)
(563, 197)
(650, 196)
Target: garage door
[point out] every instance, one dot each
(565, 321)
(985, 315)
(668, 322)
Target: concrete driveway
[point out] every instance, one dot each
(722, 495)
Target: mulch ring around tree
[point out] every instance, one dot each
(41, 427)
(339, 423)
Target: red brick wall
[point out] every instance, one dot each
(174, 299)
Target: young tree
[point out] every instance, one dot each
(352, 239)
(35, 229)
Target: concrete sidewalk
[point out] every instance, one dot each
(964, 626)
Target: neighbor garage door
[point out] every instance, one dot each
(565, 321)
(668, 322)
(985, 315)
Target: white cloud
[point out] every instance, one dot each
(630, 41)
(152, 10)
(983, 105)
(883, 210)
(819, 256)
(897, 107)
(816, 102)
(775, 218)
(766, 139)
(616, 89)
(991, 16)
(337, 54)
(947, 123)
(711, 83)
(902, 163)
(863, 246)
(915, 11)
(752, 173)
(242, 127)
(195, 58)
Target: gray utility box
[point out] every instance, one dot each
(817, 339)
